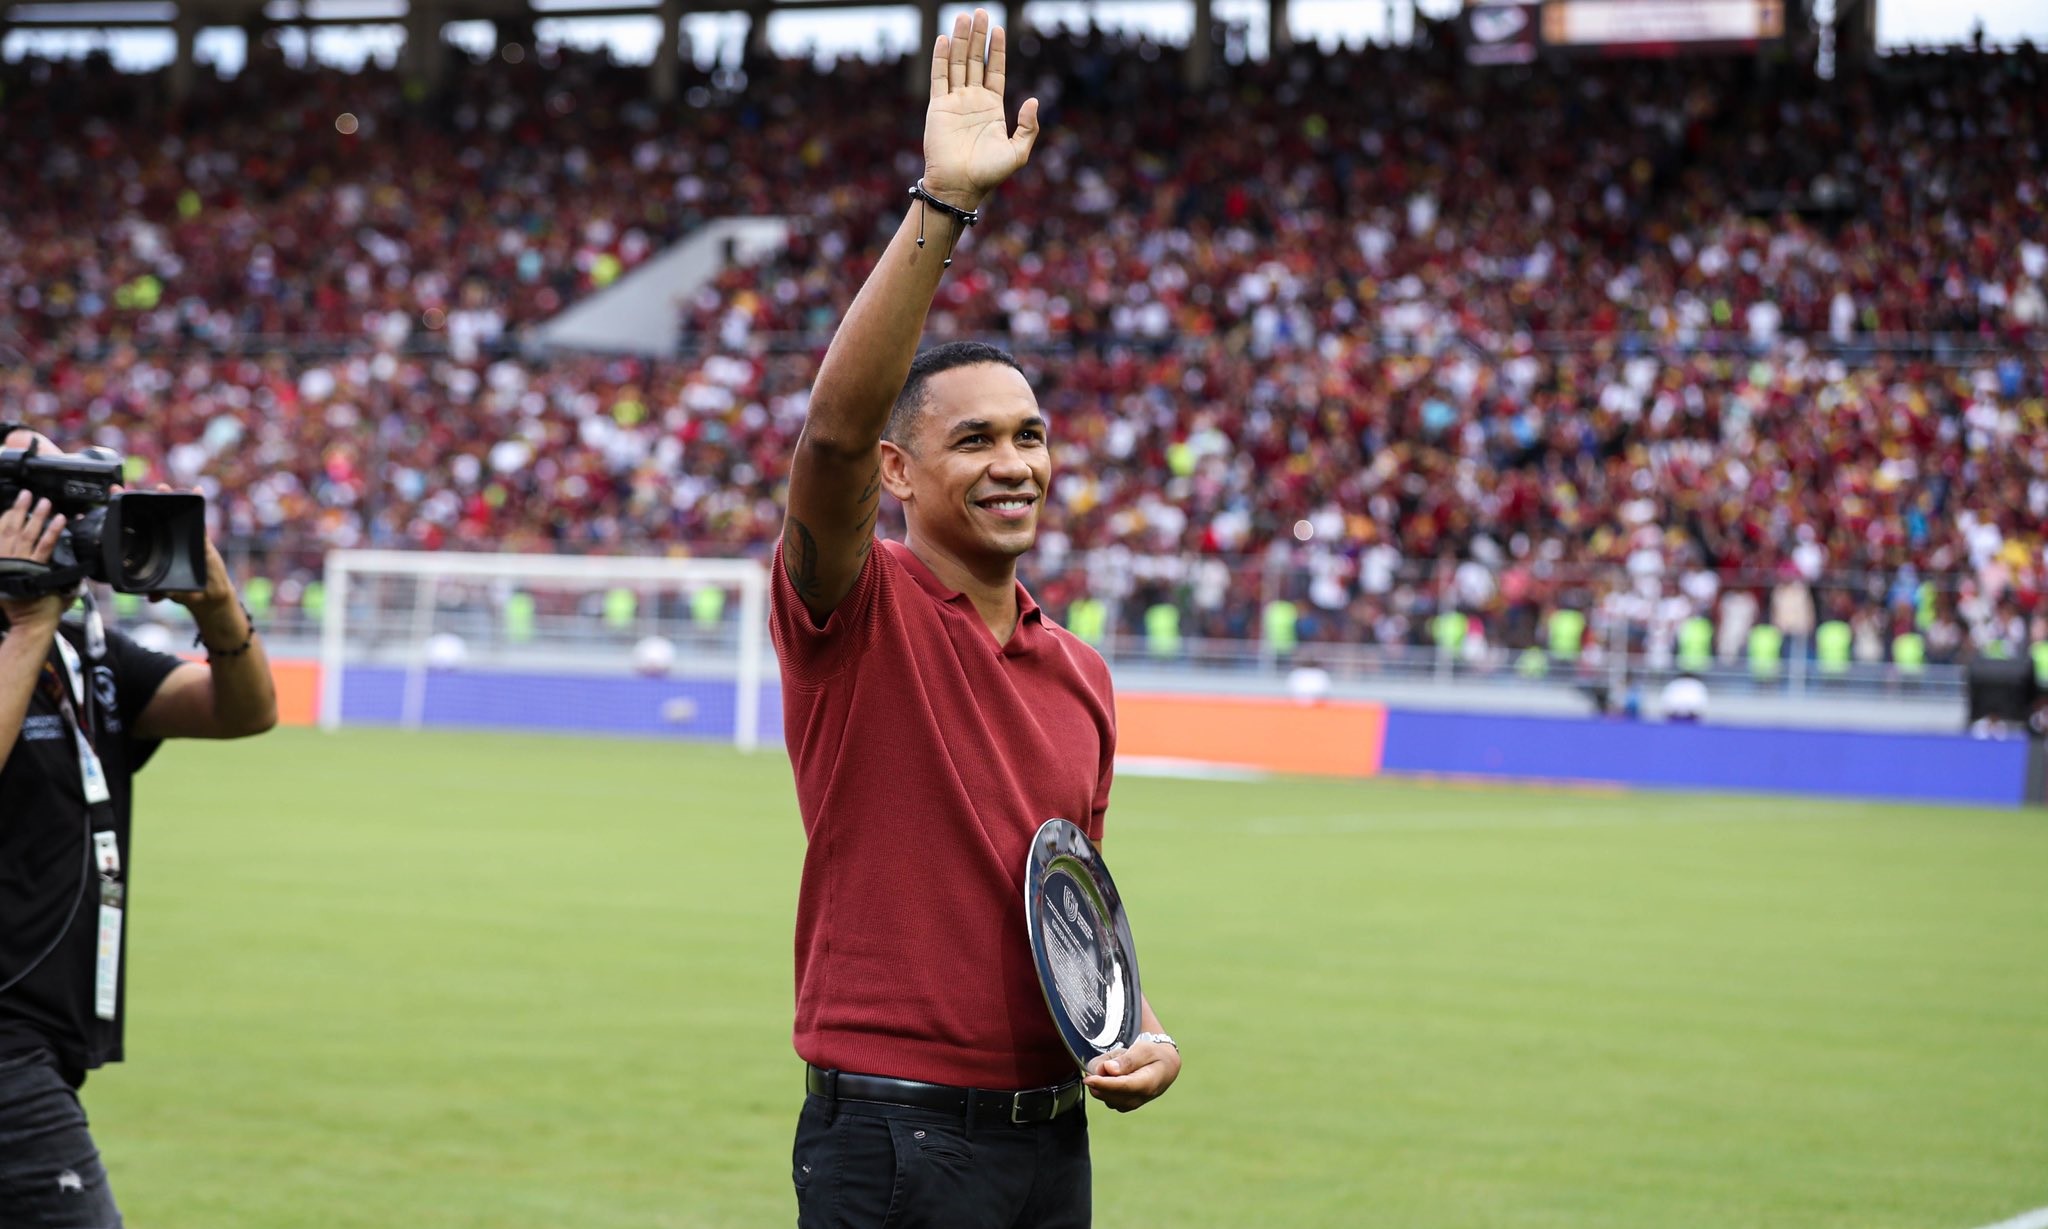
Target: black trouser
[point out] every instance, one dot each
(864, 1166)
(50, 1173)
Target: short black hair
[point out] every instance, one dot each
(911, 401)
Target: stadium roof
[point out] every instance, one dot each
(516, 20)
(159, 14)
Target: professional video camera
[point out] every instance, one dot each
(136, 541)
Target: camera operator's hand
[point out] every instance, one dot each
(30, 530)
(219, 593)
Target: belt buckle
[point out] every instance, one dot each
(1017, 1106)
(1052, 1095)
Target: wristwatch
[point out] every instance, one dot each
(1161, 1038)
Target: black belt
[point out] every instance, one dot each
(1026, 1106)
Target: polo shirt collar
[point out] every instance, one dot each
(1028, 613)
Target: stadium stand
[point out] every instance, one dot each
(1346, 331)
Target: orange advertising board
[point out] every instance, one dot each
(1329, 738)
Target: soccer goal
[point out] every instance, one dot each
(596, 644)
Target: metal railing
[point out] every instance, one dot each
(1500, 645)
(1948, 349)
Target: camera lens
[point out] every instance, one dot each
(144, 557)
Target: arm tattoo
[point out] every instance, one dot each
(800, 560)
(800, 557)
(866, 528)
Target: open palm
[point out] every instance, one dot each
(968, 146)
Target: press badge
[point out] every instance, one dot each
(106, 853)
(106, 979)
(91, 776)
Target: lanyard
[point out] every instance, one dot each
(92, 777)
(77, 701)
(77, 693)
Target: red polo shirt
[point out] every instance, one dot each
(926, 756)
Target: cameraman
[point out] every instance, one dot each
(81, 709)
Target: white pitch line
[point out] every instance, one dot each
(1192, 770)
(2036, 1219)
(1459, 821)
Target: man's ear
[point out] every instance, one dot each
(896, 471)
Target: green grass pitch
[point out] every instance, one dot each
(495, 981)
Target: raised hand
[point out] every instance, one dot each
(968, 146)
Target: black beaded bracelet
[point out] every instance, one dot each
(212, 654)
(966, 217)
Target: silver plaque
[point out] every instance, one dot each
(1081, 943)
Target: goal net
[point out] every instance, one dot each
(545, 642)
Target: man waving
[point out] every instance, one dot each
(935, 718)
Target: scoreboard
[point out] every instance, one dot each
(1516, 31)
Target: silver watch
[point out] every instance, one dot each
(1161, 1038)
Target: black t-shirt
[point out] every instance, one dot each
(48, 892)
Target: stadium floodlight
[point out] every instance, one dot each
(553, 642)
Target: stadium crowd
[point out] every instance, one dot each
(1645, 342)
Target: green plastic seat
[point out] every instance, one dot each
(1088, 618)
(260, 595)
(1831, 643)
(1162, 630)
(1909, 654)
(1448, 631)
(707, 606)
(1279, 623)
(1567, 634)
(1696, 644)
(520, 618)
(620, 605)
(1766, 649)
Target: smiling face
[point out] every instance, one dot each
(974, 469)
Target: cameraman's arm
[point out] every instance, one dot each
(231, 696)
(22, 652)
(27, 531)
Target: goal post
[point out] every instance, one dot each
(626, 644)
